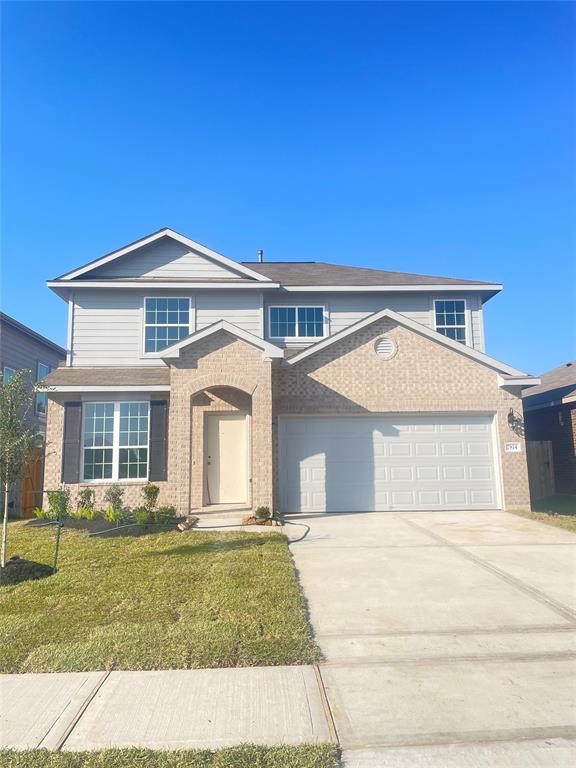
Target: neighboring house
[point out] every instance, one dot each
(23, 348)
(300, 386)
(550, 414)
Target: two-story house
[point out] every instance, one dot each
(302, 386)
(21, 348)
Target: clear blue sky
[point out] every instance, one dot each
(435, 138)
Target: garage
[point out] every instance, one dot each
(386, 462)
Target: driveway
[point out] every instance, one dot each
(449, 637)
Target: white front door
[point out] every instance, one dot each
(378, 463)
(227, 458)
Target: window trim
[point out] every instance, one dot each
(115, 445)
(41, 414)
(161, 325)
(297, 307)
(7, 368)
(466, 320)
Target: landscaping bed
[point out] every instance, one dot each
(245, 756)
(165, 600)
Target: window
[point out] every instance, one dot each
(8, 374)
(296, 322)
(450, 319)
(42, 370)
(167, 321)
(115, 441)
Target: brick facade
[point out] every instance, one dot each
(225, 373)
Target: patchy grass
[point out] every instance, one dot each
(245, 756)
(163, 601)
(559, 510)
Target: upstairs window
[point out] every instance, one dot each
(166, 322)
(450, 319)
(296, 322)
(42, 371)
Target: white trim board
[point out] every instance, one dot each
(423, 330)
(268, 349)
(429, 288)
(56, 388)
(166, 232)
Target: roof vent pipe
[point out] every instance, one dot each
(260, 256)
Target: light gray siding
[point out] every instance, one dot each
(166, 258)
(108, 324)
(240, 308)
(344, 309)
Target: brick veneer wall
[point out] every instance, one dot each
(347, 378)
(423, 376)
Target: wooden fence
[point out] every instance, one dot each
(540, 469)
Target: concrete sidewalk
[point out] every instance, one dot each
(173, 709)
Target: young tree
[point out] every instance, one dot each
(16, 437)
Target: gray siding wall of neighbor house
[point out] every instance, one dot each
(108, 323)
(20, 351)
(344, 309)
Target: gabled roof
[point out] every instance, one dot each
(318, 273)
(268, 349)
(556, 386)
(423, 330)
(234, 266)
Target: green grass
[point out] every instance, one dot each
(246, 756)
(161, 601)
(563, 508)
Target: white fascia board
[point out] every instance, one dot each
(56, 285)
(268, 349)
(423, 330)
(482, 288)
(214, 255)
(108, 388)
(518, 381)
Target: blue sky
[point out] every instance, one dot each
(421, 137)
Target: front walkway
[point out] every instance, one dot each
(449, 637)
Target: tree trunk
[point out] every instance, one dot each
(4, 527)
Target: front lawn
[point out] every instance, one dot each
(246, 756)
(161, 601)
(559, 510)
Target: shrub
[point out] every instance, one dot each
(113, 496)
(86, 497)
(262, 513)
(164, 514)
(114, 514)
(141, 515)
(150, 493)
(58, 504)
(86, 513)
(40, 513)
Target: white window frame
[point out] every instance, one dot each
(466, 319)
(115, 445)
(162, 325)
(297, 307)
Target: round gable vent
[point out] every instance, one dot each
(385, 348)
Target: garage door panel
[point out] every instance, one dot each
(382, 463)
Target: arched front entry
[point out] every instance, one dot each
(221, 447)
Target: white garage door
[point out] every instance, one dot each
(340, 464)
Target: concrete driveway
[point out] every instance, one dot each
(449, 637)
